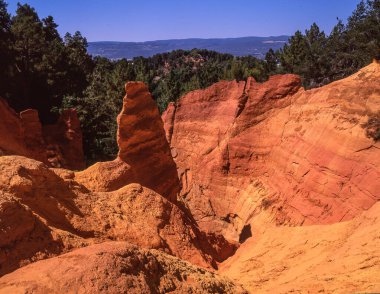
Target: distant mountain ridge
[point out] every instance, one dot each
(255, 46)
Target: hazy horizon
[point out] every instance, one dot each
(179, 39)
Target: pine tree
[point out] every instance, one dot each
(5, 52)
(315, 58)
(28, 47)
(294, 54)
(80, 64)
(270, 61)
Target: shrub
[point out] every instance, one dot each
(372, 127)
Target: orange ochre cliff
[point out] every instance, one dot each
(242, 187)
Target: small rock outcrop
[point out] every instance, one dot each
(144, 153)
(58, 145)
(119, 267)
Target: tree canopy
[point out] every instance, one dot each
(320, 59)
(40, 68)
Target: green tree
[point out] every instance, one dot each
(80, 64)
(54, 69)
(315, 69)
(293, 54)
(271, 61)
(5, 53)
(336, 49)
(373, 24)
(352, 46)
(28, 47)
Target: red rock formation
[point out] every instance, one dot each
(58, 145)
(243, 150)
(144, 154)
(115, 267)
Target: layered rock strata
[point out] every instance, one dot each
(251, 154)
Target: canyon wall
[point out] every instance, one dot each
(251, 154)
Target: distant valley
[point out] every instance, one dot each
(255, 46)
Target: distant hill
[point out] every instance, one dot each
(255, 46)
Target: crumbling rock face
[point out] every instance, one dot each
(64, 141)
(58, 145)
(144, 154)
(273, 153)
(45, 212)
(32, 134)
(119, 267)
(11, 132)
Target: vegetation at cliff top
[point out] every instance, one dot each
(41, 70)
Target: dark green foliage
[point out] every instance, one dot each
(305, 56)
(5, 43)
(80, 64)
(39, 67)
(320, 59)
(171, 75)
(28, 51)
(271, 61)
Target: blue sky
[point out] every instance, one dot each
(143, 20)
